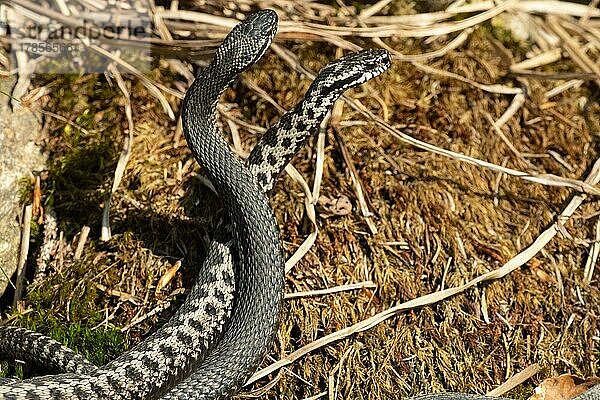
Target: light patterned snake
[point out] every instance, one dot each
(214, 341)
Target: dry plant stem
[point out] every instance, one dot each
(320, 159)
(235, 139)
(592, 7)
(37, 207)
(252, 85)
(373, 9)
(515, 105)
(335, 289)
(515, 380)
(432, 298)
(557, 7)
(162, 306)
(572, 84)
(506, 141)
(500, 89)
(176, 65)
(123, 296)
(124, 156)
(309, 205)
(453, 44)
(585, 76)
(590, 263)
(24, 250)
(548, 57)
(420, 25)
(334, 34)
(85, 231)
(544, 179)
(541, 6)
(358, 189)
(545, 58)
(574, 50)
(153, 87)
(63, 119)
(65, 19)
(25, 68)
(426, 24)
(397, 31)
(199, 17)
(249, 127)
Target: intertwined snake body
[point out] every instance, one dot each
(201, 353)
(215, 340)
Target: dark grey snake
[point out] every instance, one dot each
(214, 341)
(184, 357)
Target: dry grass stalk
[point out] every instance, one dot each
(452, 45)
(394, 30)
(85, 231)
(335, 289)
(515, 380)
(152, 87)
(320, 158)
(124, 156)
(23, 252)
(358, 187)
(594, 251)
(571, 84)
(496, 126)
(575, 51)
(309, 205)
(500, 89)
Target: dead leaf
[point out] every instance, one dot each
(167, 278)
(563, 387)
(334, 207)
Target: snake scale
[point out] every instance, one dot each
(215, 340)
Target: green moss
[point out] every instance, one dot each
(25, 190)
(65, 309)
(523, 391)
(98, 344)
(499, 31)
(84, 154)
(35, 230)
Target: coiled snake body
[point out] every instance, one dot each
(214, 341)
(201, 353)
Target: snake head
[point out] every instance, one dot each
(247, 42)
(352, 70)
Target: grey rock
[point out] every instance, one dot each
(19, 155)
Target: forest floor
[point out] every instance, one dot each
(396, 221)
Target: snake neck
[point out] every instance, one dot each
(199, 115)
(282, 140)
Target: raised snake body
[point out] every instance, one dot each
(184, 357)
(214, 342)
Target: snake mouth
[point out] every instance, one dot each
(262, 23)
(262, 26)
(246, 43)
(374, 60)
(355, 68)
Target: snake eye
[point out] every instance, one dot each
(248, 41)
